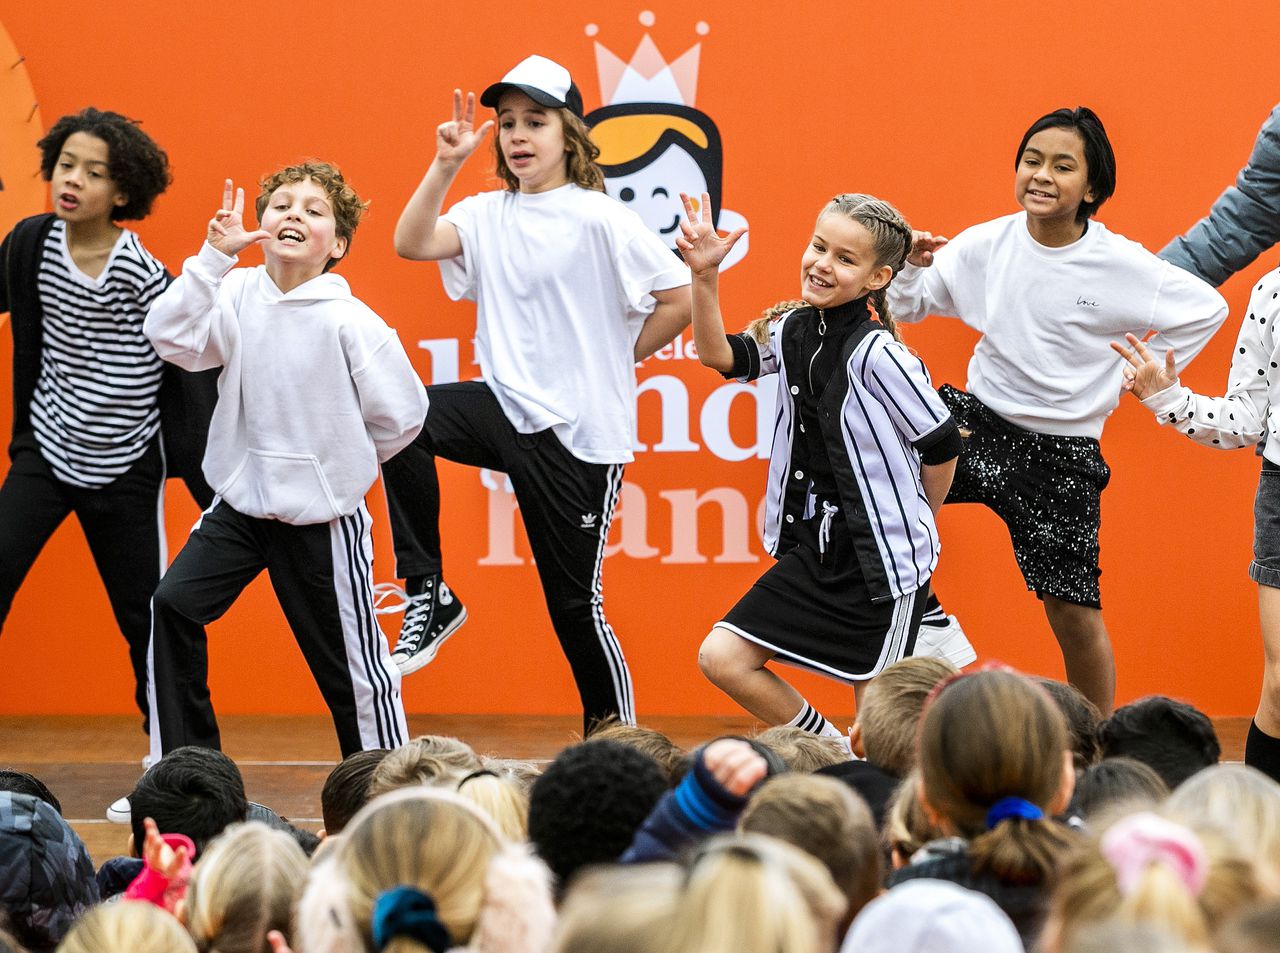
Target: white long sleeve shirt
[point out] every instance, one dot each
(1047, 317)
(315, 389)
(1250, 410)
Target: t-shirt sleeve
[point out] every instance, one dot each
(646, 265)
(460, 274)
(900, 381)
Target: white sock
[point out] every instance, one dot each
(810, 719)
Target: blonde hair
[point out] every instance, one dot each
(670, 757)
(891, 240)
(505, 802)
(427, 759)
(620, 909)
(580, 155)
(1241, 802)
(890, 708)
(801, 750)
(1087, 892)
(830, 823)
(753, 894)
(907, 826)
(129, 926)
(520, 773)
(989, 736)
(244, 885)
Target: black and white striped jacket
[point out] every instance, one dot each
(877, 418)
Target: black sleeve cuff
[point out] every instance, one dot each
(746, 358)
(941, 444)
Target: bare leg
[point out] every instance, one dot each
(1268, 717)
(1086, 650)
(736, 667)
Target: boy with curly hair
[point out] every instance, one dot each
(315, 392)
(88, 389)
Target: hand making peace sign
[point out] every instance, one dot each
(701, 246)
(226, 228)
(457, 139)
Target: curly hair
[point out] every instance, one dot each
(139, 167)
(348, 207)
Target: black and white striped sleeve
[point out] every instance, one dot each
(751, 359)
(901, 382)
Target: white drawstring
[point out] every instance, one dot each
(824, 528)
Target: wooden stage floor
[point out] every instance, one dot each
(88, 762)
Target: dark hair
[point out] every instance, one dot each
(1098, 155)
(1173, 737)
(346, 789)
(1115, 782)
(1082, 718)
(587, 805)
(21, 782)
(192, 791)
(139, 167)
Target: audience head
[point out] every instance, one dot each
(505, 802)
(754, 894)
(1242, 803)
(21, 782)
(1174, 738)
(46, 876)
(1117, 936)
(519, 772)
(932, 916)
(589, 802)
(673, 759)
(620, 909)
(801, 750)
(245, 885)
(1253, 930)
(129, 926)
(829, 822)
(1117, 785)
(889, 713)
(415, 850)
(1145, 868)
(1082, 718)
(346, 789)
(428, 759)
(996, 768)
(907, 826)
(194, 791)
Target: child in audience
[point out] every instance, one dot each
(1173, 737)
(1242, 802)
(346, 789)
(1116, 786)
(315, 392)
(612, 909)
(930, 916)
(503, 800)
(802, 750)
(1082, 717)
(128, 927)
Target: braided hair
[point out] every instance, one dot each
(891, 241)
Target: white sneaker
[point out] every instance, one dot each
(940, 636)
(120, 811)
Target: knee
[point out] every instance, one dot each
(169, 600)
(717, 660)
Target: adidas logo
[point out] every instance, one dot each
(588, 520)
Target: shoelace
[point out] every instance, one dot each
(383, 592)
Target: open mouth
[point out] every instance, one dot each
(290, 236)
(521, 156)
(68, 201)
(818, 282)
(1036, 193)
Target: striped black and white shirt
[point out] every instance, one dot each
(879, 414)
(95, 410)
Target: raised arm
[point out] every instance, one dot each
(420, 235)
(703, 250)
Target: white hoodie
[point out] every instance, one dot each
(315, 389)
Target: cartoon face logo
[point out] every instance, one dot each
(654, 191)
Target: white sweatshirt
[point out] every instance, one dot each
(1250, 411)
(1047, 317)
(315, 389)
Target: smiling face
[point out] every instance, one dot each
(531, 138)
(654, 191)
(839, 264)
(303, 230)
(1052, 178)
(81, 185)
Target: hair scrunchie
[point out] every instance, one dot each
(1008, 807)
(407, 911)
(1134, 843)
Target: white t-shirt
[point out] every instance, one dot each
(1047, 317)
(563, 281)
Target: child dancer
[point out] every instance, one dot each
(571, 290)
(863, 453)
(86, 383)
(1244, 417)
(315, 391)
(1048, 288)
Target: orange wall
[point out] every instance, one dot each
(922, 103)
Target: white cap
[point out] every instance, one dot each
(542, 80)
(932, 916)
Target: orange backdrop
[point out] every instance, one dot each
(921, 103)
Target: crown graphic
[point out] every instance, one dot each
(647, 77)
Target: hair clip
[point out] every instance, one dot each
(409, 912)
(1134, 843)
(1010, 807)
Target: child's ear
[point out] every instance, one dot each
(879, 278)
(855, 740)
(121, 200)
(340, 248)
(1066, 787)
